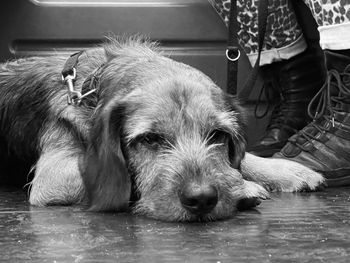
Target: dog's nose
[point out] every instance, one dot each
(199, 199)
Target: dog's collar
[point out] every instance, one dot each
(69, 73)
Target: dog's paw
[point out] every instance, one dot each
(253, 190)
(250, 195)
(293, 177)
(57, 181)
(277, 174)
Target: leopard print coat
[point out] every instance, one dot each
(283, 28)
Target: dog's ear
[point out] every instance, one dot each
(104, 170)
(238, 141)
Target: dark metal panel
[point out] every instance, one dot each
(189, 31)
(165, 20)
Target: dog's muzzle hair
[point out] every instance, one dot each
(157, 136)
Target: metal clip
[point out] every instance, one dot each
(74, 97)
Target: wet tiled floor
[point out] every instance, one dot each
(305, 227)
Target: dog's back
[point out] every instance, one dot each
(29, 89)
(26, 88)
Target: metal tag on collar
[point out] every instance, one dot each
(73, 96)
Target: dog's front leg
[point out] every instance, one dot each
(57, 179)
(277, 174)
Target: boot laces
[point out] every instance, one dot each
(278, 116)
(268, 90)
(326, 105)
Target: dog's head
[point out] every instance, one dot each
(166, 131)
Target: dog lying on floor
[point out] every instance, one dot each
(149, 131)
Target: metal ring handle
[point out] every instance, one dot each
(233, 59)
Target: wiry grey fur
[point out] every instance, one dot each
(154, 122)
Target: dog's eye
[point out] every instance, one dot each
(217, 136)
(152, 140)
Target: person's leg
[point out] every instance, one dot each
(324, 144)
(290, 70)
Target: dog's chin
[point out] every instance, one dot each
(176, 213)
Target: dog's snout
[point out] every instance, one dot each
(199, 199)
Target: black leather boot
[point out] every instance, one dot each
(296, 81)
(324, 144)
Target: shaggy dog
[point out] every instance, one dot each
(152, 134)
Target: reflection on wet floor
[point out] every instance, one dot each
(290, 227)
